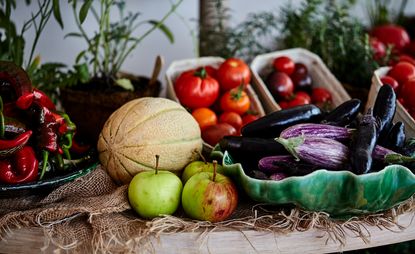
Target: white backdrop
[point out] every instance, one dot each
(53, 46)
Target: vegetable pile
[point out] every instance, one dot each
(308, 139)
(217, 98)
(33, 134)
(291, 85)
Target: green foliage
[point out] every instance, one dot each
(383, 11)
(109, 46)
(327, 29)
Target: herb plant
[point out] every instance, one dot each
(109, 46)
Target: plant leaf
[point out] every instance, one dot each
(79, 56)
(83, 12)
(125, 83)
(72, 35)
(57, 12)
(164, 29)
(82, 72)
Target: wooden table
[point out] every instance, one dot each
(31, 240)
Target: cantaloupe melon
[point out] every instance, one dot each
(135, 133)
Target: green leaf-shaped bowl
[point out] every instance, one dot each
(339, 193)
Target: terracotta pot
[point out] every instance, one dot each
(89, 109)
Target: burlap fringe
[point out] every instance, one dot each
(141, 233)
(132, 235)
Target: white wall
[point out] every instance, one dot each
(53, 46)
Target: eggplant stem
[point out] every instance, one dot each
(290, 145)
(396, 158)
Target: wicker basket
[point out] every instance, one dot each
(177, 67)
(261, 67)
(401, 114)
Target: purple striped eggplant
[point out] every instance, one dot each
(318, 130)
(285, 163)
(322, 152)
(331, 154)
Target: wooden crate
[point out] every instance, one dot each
(261, 67)
(179, 66)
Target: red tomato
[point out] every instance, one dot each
(213, 134)
(378, 48)
(387, 80)
(301, 98)
(211, 71)
(320, 94)
(233, 73)
(280, 85)
(204, 117)
(249, 118)
(408, 94)
(300, 69)
(402, 72)
(406, 58)
(235, 100)
(283, 104)
(392, 35)
(283, 64)
(196, 89)
(231, 118)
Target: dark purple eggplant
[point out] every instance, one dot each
(343, 114)
(363, 143)
(395, 139)
(285, 163)
(318, 130)
(384, 110)
(271, 125)
(248, 147)
(321, 152)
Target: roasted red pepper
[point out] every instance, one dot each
(9, 146)
(21, 167)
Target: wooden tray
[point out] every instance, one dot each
(261, 67)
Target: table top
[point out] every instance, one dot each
(28, 240)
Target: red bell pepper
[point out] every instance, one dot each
(22, 167)
(9, 146)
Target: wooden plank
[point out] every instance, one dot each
(29, 240)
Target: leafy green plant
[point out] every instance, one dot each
(109, 46)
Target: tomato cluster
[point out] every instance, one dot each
(291, 85)
(401, 77)
(217, 98)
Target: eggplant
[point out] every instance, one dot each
(395, 138)
(321, 152)
(363, 143)
(271, 125)
(331, 154)
(285, 163)
(343, 114)
(278, 176)
(384, 110)
(318, 130)
(248, 147)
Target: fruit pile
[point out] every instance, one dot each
(291, 85)
(217, 98)
(206, 194)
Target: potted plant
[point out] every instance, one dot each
(101, 86)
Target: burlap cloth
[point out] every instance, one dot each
(93, 214)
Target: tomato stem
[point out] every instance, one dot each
(157, 163)
(237, 94)
(215, 163)
(201, 73)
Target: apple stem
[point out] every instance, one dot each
(157, 163)
(215, 163)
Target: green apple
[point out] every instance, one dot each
(196, 167)
(153, 193)
(209, 196)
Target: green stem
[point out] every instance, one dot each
(396, 158)
(45, 155)
(124, 54)
(290, 145)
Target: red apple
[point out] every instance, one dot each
(209, 196)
